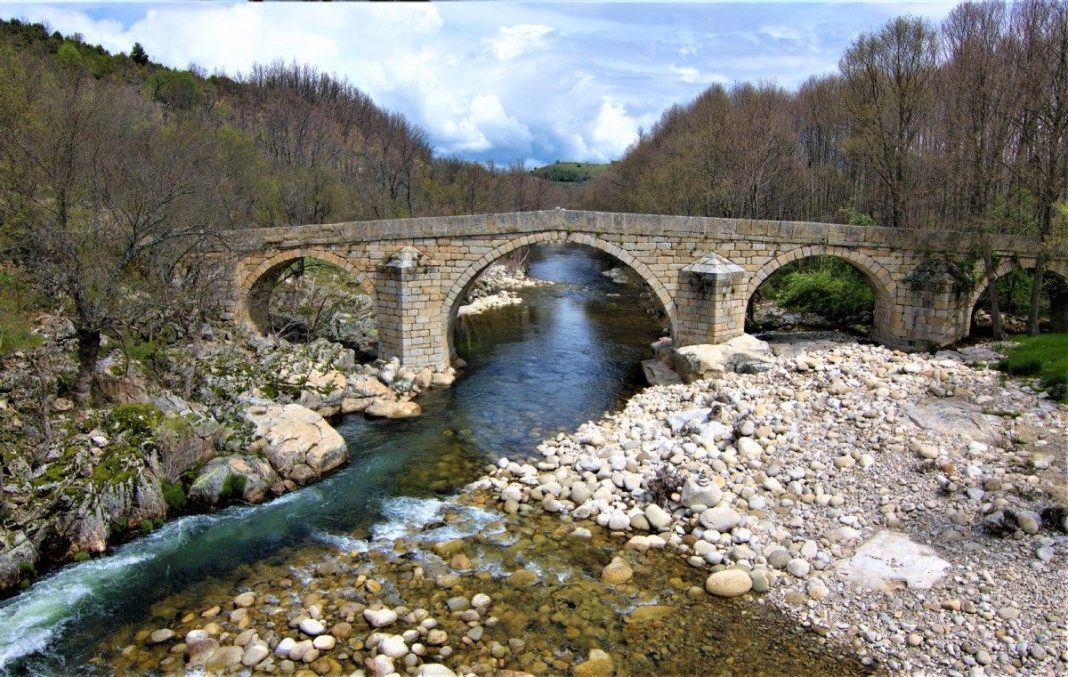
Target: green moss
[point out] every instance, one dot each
(118, 465)
(82, 557)
(27, 572)
(137, 419)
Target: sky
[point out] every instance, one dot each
(501, 81)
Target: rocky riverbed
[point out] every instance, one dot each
(453, 588)
(496, 287)
(909, 506)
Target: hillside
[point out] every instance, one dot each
(570, 172)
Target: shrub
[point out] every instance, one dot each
(82, 556)
(146, 527)
(173, 494)
(837, 292)
(233, 487)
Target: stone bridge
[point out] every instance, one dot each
(703, 270)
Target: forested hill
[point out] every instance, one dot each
(283, 144)
(963, 124)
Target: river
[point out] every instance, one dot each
(569, 353)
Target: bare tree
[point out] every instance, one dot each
(888, 76)
(103, 186)
(1039, 38)
(978, 99)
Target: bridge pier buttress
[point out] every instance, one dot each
(407, 320)
(933, 310)
(710, 303)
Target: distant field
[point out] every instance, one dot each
(570, 172)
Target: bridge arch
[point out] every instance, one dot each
(458, 290)
(260, 274)
(1059, 302)
(879, 279)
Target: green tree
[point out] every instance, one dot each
(138, 54)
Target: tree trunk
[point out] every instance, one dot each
(992, 295)
(1036, 294)
(88, 349)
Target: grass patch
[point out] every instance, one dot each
(17, 305)
(1044, 357)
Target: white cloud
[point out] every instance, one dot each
(694, 76)
(511, 41)
(613, 130)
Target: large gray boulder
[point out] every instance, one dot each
(15, 550)
(741, 354)
(211, 481)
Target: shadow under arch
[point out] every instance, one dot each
(459, 289)
(256, 285)
(1058, 302)
(879, 279)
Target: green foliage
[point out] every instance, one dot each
(174, 494)
(146, 527)
(176, 89)
(82, 556)
(145, 352)
(69, 55)
(233, 487)
(1044, 356)
(138, 54)
(570, 172)
(27, 572)
(1014, 292)
(17, 302)
(832, 289)
(854, 217)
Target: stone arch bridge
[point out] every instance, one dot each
(702, 270)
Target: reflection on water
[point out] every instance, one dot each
(568, 354)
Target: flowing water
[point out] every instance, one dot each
(568, 354)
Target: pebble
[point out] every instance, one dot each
(393, 646)
(161, 635)
(728, 583)
(380, 618)
(798, 567)
(312, 627)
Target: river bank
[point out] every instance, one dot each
(911, 506)
(248, 420)
(185, 428)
